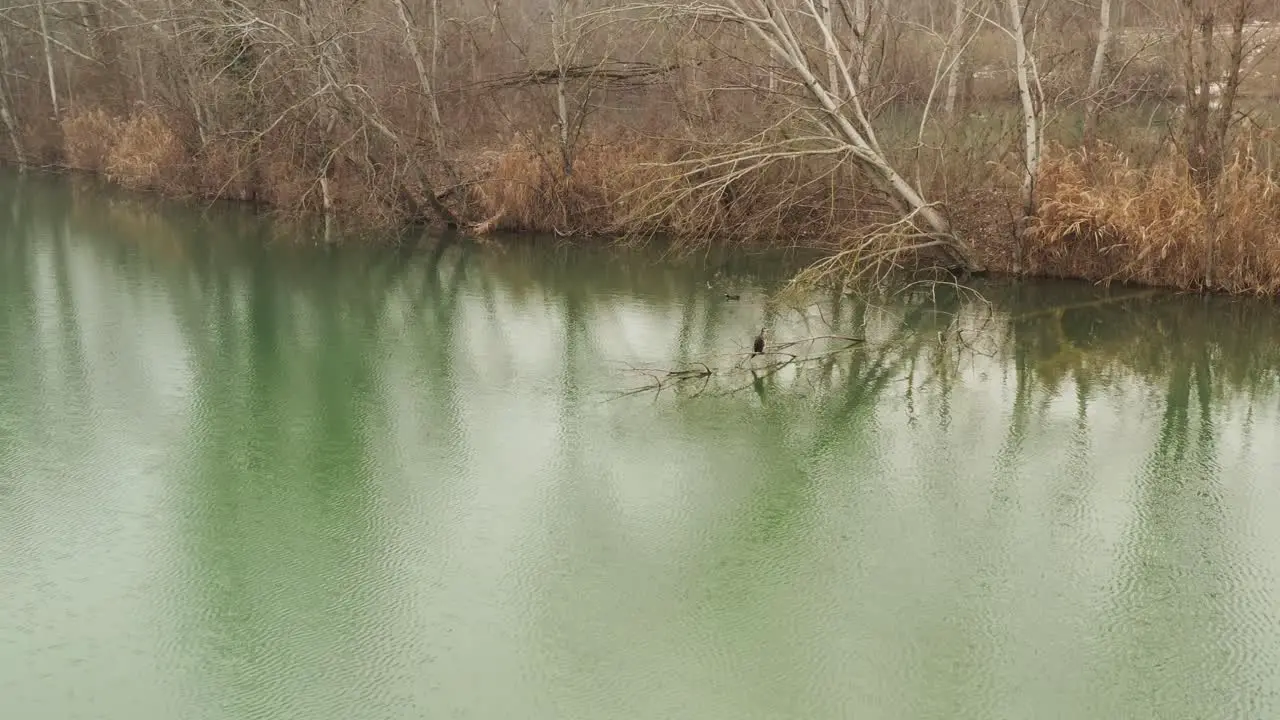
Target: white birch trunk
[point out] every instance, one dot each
(1094, 89)
(435, 50)
(7, 117)
(953, 73)
(1030, 120)
(873, 35)
(833, 66)
(11, 127)
(142, 77)
(48, 56)
(6, 107)
(326, 192)
(865, 147)
(558, 8)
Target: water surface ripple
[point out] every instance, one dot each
(247, 477)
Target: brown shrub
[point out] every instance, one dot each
(222, 169)
(525, 188)
(284, 184)
(87, 137)
(1104, 218)
(41, 138)
(147, 154)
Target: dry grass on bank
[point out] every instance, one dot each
(1104, 218)
(150, 151)
(147, 155)
(141, 152)
(525, 189)
(87, 138)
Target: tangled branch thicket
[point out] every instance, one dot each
(886, 133)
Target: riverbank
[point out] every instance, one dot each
(622, 124)
(1125, 212)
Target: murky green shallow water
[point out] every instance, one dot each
(245, 479)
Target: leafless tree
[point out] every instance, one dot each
(1093, 91)
(426, 74)
(1211, 92)
(798, 35)
(1028, 82)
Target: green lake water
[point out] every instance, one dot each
(247, 475)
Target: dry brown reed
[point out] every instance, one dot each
(146, 154)
(1105, 218)
(87, 137)
(525, 188)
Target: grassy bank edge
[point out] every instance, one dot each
(1104, 217)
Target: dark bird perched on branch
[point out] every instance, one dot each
(758, 346)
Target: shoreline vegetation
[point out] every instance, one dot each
(1108, 140)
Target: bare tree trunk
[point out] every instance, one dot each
(858, 13)
(6, 116)
(48, 57)
(106, 47)
(1226, 111)
(1030, 119)
(143, 21)
(1231, 85)
(1093, 92)
(6, 104)
(833, 67)
(1207, 120)
(873, 35)
(425, 80)
(435, 53)
(326, 194)
(953, 73)
(6, 107)
(558, 8)
(328, 74)
(142, 78)
(184, 77)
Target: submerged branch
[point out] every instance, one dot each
(701, 373)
